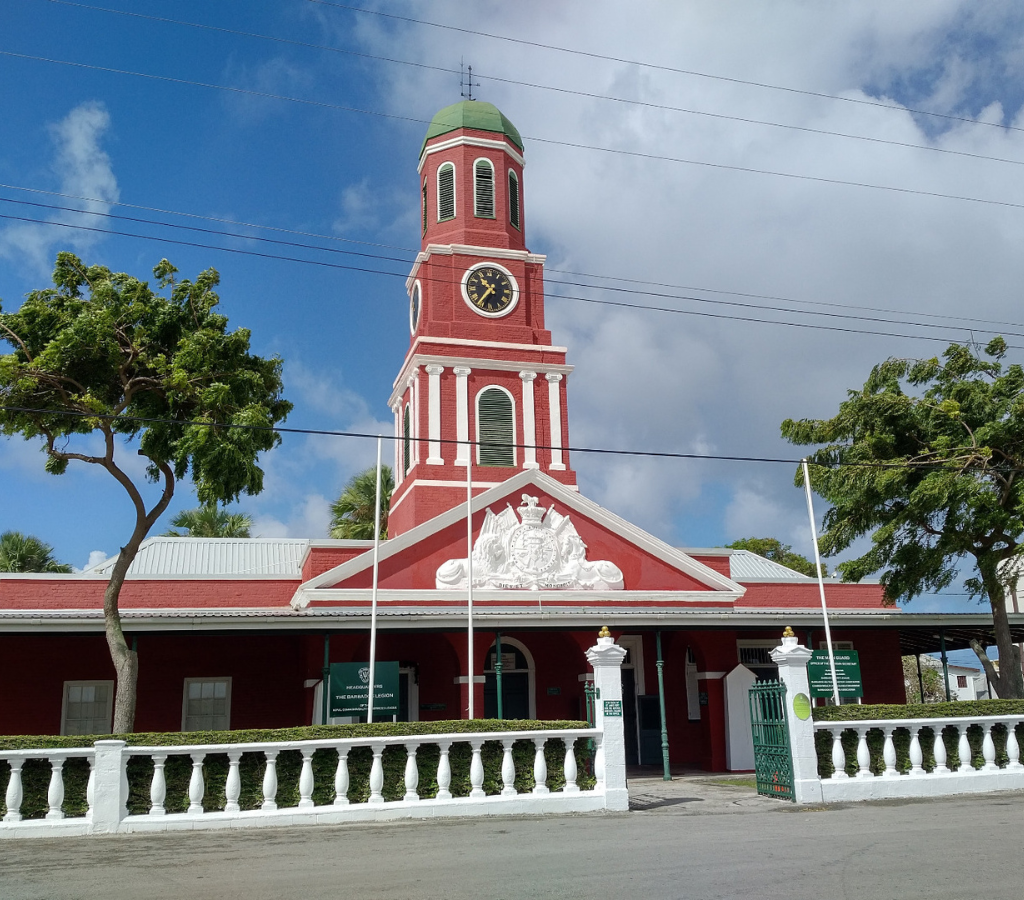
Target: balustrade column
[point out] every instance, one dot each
(196, 785)
(412, 773)
(939, 751)
(341, 778)
(863, 754)
(1012, 746)
(444, 772)
(476, 771)
(15, 792)
(306, 780)
(508, 770)
(838, 756)
(158, 786)
(988, 750)
(889, 754)
(916, 754)
(377, 774)
(55, 792)
(963, 749)
(233, 785)
(540, 767)
(270, 781)
(570, 767)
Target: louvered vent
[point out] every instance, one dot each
(494, 428)
(407, 445)
(446, 192)
(483, 179)
(513, 199)
(424, 207)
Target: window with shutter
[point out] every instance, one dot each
(513, 199)
(446, 192)
(424, 207)
(407, 443)
(483, 186)
(495, 430)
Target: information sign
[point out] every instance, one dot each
(350, 688)
(819, 673)
(613, 708)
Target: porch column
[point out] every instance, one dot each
(462, 455)
(555, 412)
(529, 422)
(792, 659)
(434, 414)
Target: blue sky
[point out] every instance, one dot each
(654, 381)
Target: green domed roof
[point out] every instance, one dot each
(472, 114)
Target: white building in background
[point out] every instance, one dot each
(965, 682)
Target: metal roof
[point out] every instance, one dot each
(743, 565)
(199, 557)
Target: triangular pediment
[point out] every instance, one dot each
(411, 561)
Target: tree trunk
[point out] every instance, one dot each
(1009, 681)
(126, 661)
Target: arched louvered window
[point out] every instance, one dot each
(446, 192)
(483, 189)
(407, 439)
(495, 428)
(513, 199)
(424, 206)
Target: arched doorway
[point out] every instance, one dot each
(517, 682)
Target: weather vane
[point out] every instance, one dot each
(466, 84)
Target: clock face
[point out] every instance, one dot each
(490, 291)
(414, 307)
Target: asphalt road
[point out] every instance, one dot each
(692, 841)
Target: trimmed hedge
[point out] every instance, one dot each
(901, 736)
(178, 769)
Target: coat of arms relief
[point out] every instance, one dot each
(542, 552)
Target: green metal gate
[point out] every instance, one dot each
(773, 758)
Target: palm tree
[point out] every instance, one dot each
(24, 553)
(210, 521)
(352, 512)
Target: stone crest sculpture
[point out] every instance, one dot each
(543, 551)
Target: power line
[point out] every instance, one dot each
(725, 167)
(448, 281)
(621, 304)
(672, 69)
(542, 87)
(335, 238)
(605, 451)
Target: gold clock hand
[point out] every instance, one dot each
(489, 290)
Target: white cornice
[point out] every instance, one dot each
(470, 250)
(474, 362)
(467, 141)
(459, 483)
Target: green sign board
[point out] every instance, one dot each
(350, 688)
(819, 673)
(613, 708)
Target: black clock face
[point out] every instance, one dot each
(490, 291)
(414, 307)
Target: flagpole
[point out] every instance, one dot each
(821, 582)
(469, 578)
(373, 594)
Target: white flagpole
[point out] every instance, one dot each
(373, 594)
(469, 577)
(821, 582)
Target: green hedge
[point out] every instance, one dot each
(901, 736)
(178, 770)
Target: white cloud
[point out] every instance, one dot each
(309, 519)
(84, 170)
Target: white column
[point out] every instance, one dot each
(462, 455)
(399, 474)
(606, 658)
(434, 414)
(792, 661)
(109, 795)
(555, 405)
(529, 422)
(414, 399)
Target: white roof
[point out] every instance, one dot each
(199, 557)
(745, 565)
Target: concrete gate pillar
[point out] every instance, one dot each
(792, 659)
(606, 658)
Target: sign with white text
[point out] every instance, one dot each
(819, 673)
(350, 691)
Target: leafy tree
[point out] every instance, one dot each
(352, 512)
(210, 521)
(934, 689)
(934, 478)
(101, 357)
(776, 551)
(24, 553)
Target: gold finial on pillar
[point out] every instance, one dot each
(788, 632)
(604, 632)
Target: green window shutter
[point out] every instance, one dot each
(446, 192)
(407, 444)
(483, 186)
(494, 429)
(513, 199)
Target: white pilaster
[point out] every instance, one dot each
(399, 474)
(792, 661)
(414, 399)
(529, 422)
(606, 658)
(555, 407)
(434, 414)
(462, 455)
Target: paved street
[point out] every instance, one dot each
(691, 839)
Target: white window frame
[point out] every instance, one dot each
(494, 198)
(476, 423)
(455, 191)
(205, 680)
(110, 703)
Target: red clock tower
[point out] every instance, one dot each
(482, 384)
